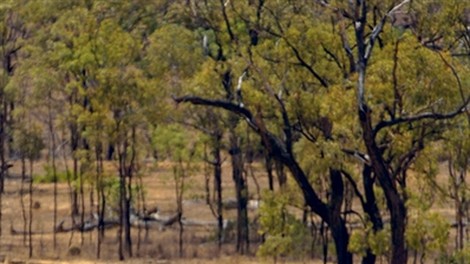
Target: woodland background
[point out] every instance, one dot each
(338, 131)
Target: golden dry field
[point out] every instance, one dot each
(156, 246)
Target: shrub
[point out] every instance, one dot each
(48, 176)
(285, 235)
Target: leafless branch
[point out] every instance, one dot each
(378, 28)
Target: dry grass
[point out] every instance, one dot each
(157, 247)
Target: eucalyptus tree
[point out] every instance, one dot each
(175, 144)
(33, 80)
(173, 55)
(344, 94)
(13, 32)
(31, 143)
(306, 67)
(28, 145)
(123, 95)
(93, 51)
(216, 48)
(211, 124)
(239, 59)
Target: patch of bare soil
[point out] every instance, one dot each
(149, 246)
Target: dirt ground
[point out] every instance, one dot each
(158, 246)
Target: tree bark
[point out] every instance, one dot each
(281, 175)
(241, 193)
(30, 225)
(269, 171)
(74, 142)
(3, 162)
(124, 214)
(371, 209)
(101, 203)
(54, 168)
(395, 203)
(23, 208)
(124, 205)
(332, 214)
(218, 188)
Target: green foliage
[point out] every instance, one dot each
(29, 142)
(363, 239)
(379, 241)
(427, 232)
(358, 242)
(111, 187)
(286, 236)
(456, 257)
(48, 177)
(106, 70)
(174, 52)
(176, 142)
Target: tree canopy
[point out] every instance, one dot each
(367, 97)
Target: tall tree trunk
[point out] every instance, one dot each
(180, 234)
(100, 198)
(458, 178)
(3, 162)
(207, 176)
(124, 203)
(122, 191)
(54, 170)
(30, 226)
(281, 174)
(82, 203)
(142, 208)
(218, 188)
(241, 193)
(336, 222)
(395, 203)
(330, 213)
(110, 152)
(70, 189)
(23, 208)
(179, 185)
(130, 169)
(122, 200)
(269, 170)
(3, 138)
(371, 209)
(324, 238)
(127, 226)
(84, 168)
(74, 142)
(179, 174)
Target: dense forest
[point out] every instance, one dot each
(351, 116)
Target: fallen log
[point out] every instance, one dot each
(157, 217)
(153, 220)
(85, 227)
(231, 204)
(150, 221)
